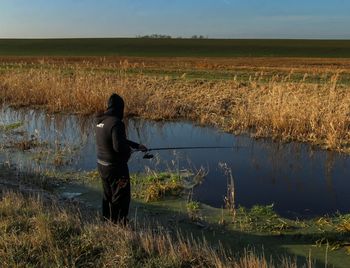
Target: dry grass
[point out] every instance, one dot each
(308, 65)
(280, 108)
(34, 234)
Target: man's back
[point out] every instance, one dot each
(111, 143)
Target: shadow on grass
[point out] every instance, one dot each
(273, 246)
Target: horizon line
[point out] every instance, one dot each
(171, 37)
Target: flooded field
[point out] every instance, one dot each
(298, 179)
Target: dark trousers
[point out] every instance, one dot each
(116, 199)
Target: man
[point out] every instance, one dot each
(113, 153)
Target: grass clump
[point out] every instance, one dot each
(193, 206)
(193, 210)
(261, 219)
(10, 127)
(344, 225)
(155, 186)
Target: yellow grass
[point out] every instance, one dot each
(33, 234)
(281, 108)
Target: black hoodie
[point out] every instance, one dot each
(113, 148)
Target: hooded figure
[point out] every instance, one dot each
(113, 153)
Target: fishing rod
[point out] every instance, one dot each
(150, 156)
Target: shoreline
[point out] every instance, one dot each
(264, 228)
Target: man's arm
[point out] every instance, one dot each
(137, 146)
(133, 144)
(120, 143)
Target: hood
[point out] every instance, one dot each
(115, 106)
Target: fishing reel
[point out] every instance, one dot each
(148, 156)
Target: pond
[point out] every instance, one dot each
(299, 180)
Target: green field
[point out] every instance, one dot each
(176, 47)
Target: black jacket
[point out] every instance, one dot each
(113, 148)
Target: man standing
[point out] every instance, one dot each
(113, 153)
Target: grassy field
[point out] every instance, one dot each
(310, 70)
(37, 230)
(35, 234)
(265, 104)
(176, 47)
(286, 90)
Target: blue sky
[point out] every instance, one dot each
(213, 18)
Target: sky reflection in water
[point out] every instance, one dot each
(298, 180)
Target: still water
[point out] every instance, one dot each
(298, 179)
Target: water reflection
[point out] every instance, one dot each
(298, 179)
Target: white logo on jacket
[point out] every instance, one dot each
(100, 125)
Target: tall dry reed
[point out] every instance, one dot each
(280, 108)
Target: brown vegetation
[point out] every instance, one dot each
(212, 63)
(37, 235)
(282, 108)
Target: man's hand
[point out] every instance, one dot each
(142, 148)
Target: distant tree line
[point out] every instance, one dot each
(164, 36)
(198, 37)
(156, 36)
